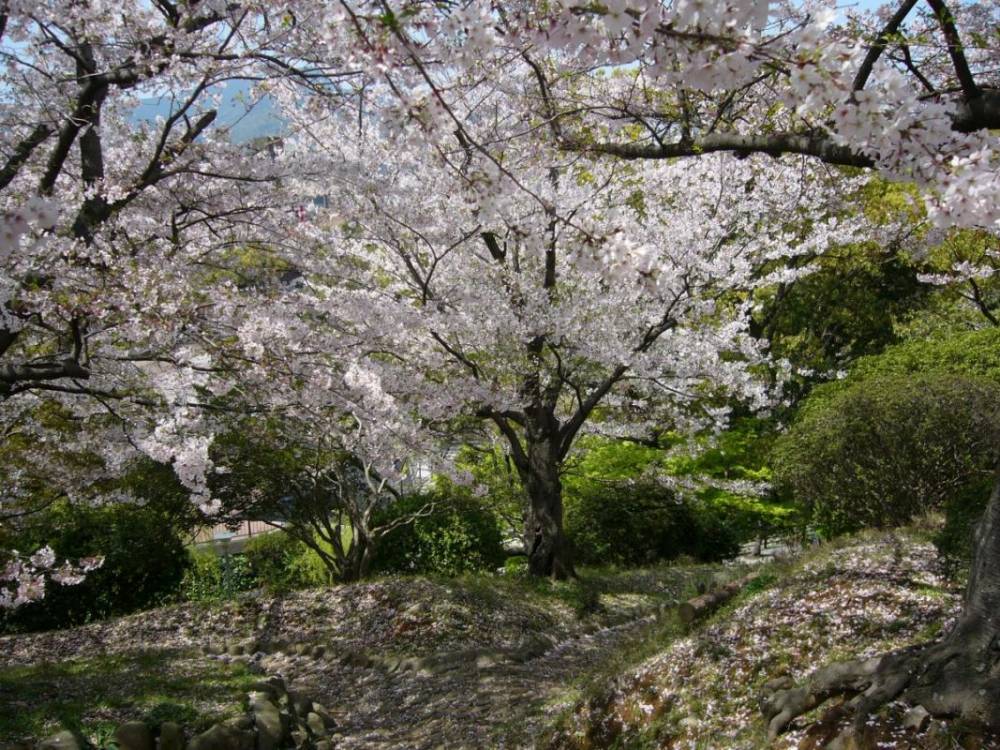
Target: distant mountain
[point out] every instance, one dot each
(245, 122)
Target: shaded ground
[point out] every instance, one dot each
(97, 692)
(402, 663)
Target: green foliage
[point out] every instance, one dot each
(962, 512)
(211, 576)
(515, 566)
(852, 303)
(845, 310)
(739, 453)
(144, 562)
(971, 354)
(879, 448)
(280, 563)
(493, 469)
(601, 459)
(459, 535)
(638, 523)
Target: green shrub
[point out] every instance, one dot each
(212, 576)
(877, 450)
(280, 563)
(640, 523)
(972, 354)
(459, 536)
(144, 563)
(962, 512)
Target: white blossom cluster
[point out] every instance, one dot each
(23, 579)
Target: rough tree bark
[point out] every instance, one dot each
(956, 677)
(545, 542)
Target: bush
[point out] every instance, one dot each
(877, 450)
(973, 354)
(460, 536)
(640, 523)
(144, 563)
(962, 512)
(280, 563)
(212, 576)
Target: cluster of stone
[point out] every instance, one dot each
(276, 719)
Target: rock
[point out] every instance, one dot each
(64, 740)
(416, 610)
(356, 659)
(134, 735)
(221, 737)
(917, 719)
(325, 715)
(301, 704)
(244, 723)
(171, 736)
(391, 663)
(315, 724)
(273, 688)
(272, 727)
(410, 664)
(487, 661)
(784, 682)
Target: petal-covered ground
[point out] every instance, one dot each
(859, 597)
(497, 655)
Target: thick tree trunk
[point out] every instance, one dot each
(957, 677)
(962, 677)
(546, 544)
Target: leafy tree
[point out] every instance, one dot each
(144, 561)
(318, 493)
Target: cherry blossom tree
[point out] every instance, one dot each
(524, 249)
(539, 292)
(119, 237)
(911, 91)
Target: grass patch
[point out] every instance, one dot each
(95, 695)
(593, 592)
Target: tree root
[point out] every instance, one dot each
(957, 678)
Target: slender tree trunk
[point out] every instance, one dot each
(546, 544)
(358, 561)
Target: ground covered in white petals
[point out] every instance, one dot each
(858, 597)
